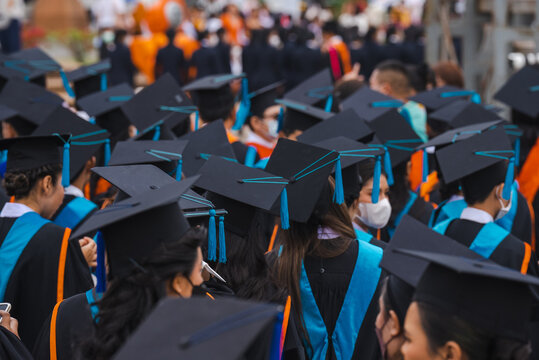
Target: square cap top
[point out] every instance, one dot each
(352, 152)
(300, 116)
(313, 90)
(264, 98)
(346, 123)
(370, 104)
(88, 71)
(99, 103)
(164, 153)
(521, 91)
(6, 112)
(203, 329)
(31, 63)
(32, 152)
(212, 82)
(436, 98)
(459, 134)
(462, 113)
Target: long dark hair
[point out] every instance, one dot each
(441, 327)
(21, 183)
(128, 300)
(399, 191)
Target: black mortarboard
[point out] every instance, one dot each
(300, 116)
(33, 103)
(89, 79)
(203, 143)
(264, 98)
(486, 295)
(346, 123)
(462, 133)
(32, 64)
(238, 192)
(163, 102)
(460, 113)
(436, 98)
(32, 152)
(371, 105)
(165, 154)
(133, 228)
(7, 113)
(160, 132)
(313, 91)
(521, 92)
(211, 82)
(105, 107)
(307, 169)
(228, 329)
(86, 139)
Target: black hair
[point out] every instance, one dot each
(129, 299)
(20, 183)
(399, 190)
(478, 186)
(216, 105)
(171, 33)
(365, 171)
(441, 327)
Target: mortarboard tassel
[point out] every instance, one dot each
(103, 81)
(196, 120)
(92, 120)
(157, 133)
(506, 194)
(107, 152)
(280, 119)
(65, 165)
(476, 98)
(245, 106)
(65, 82)
(250, 157)
(517, 152)
(222, 244)
(285, 223)
(329, 103)
(212, 241)
(387, 167)
(100, 271)
(179, 169)
(338, 196)
(425, 165)
(376, 180)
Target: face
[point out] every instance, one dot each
(365, 195)
(51, 195)
(415, 345)
(389, 328)
(261, 126)
(8, 131)
(183, 287)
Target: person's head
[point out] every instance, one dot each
(330, 29)
(119, 36)
(346, 88)
(15, 128)
(391, 78)
(216, 104)
(40, 187)
(83, 177)
(265, 124)
(171, 33)
(448, 73)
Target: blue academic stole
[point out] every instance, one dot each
(20, 234)
(451, 210)
(361, 289)
(363, 236)
(92, 297)
(487, 240)
(74, 211)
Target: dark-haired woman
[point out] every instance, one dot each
(39, 264)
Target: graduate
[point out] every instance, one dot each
(89, 79)
(321, 265)
(299, 117)
(170, 59)
(261, 61)
(314, 91)
(484, 166)
(44, 260)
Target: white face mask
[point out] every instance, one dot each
(505, 209)
(273, 127)
(375, 215)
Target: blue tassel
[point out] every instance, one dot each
(376, 180)
(250, 157)
(280, 119)
(329, 103)
(476, 98)
(222, 244)
(425, 165)
(100, 271)
(65, 166)
(157, 133)
(245, 106)
(517, 152)
(338, 196)
(285, 223)
(196, 120)
(212, 241)
(107, 152)
(387, 168)
(179, 170)
(506, 194)
(67, 87)
(92, 120)
(103, 79)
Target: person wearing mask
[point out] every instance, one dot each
(12, 13)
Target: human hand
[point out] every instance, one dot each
(89, 250)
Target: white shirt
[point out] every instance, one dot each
(73, 190)
(252, 137)
(476, 215)
(15, 210)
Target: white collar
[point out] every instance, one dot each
(476, 215)
(455, 198)
(14, 210)
(257, 139)
(73, 190)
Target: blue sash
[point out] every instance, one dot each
(441, 228)
(404, 211)
(507, 221)
(361, 289)
(488, 239)
(74, 211)
(20, 234)
(451, 210)
(92, 298)
(363, 236)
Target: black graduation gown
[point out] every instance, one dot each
(11, 348)
(32, 286)
(368, 56)
(170, 59)
(304, 63)
(121, 66)
(73, 324)
(522, 223)
(261, 63)
(329, 279)
(419, 210)
(393, 51)
(206, 61)
(76, 218)
(223, 54)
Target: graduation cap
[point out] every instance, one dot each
(486, 295)
(159, 132)
(462, 133)
(370, 104)
(300, 116)
(163, 102)
(460, 113)
(479, 161)
(227, 329)
(521, 90)
(316, 90)
(306, 168)
(85, 141)
(89, 79)
(165, 154)
(346, 123)
(264, 98)
(31, 64)
(437, 98)
(32, 102)
(135, 227)
(7, 113)
(210, 140)
(105, 108)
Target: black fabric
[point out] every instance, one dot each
(240, 151)
(122, 69)
(261, 64)
(11, 347)
(32, 287)
(170, 59)
(206, 61)
(522, 223)
(420, 210)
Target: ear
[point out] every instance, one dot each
(395, 329)
(386, 89)
(451, 351)
(45, 185)
(255, 122)
(178, 284)
(408, 169)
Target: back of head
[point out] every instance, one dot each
(477, 186)
(450, 73)
(396, 74)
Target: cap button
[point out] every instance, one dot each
(322, 270)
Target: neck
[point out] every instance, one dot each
(484, 207)
(31, 203)
(357, 221)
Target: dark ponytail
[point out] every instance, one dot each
(21, 183)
